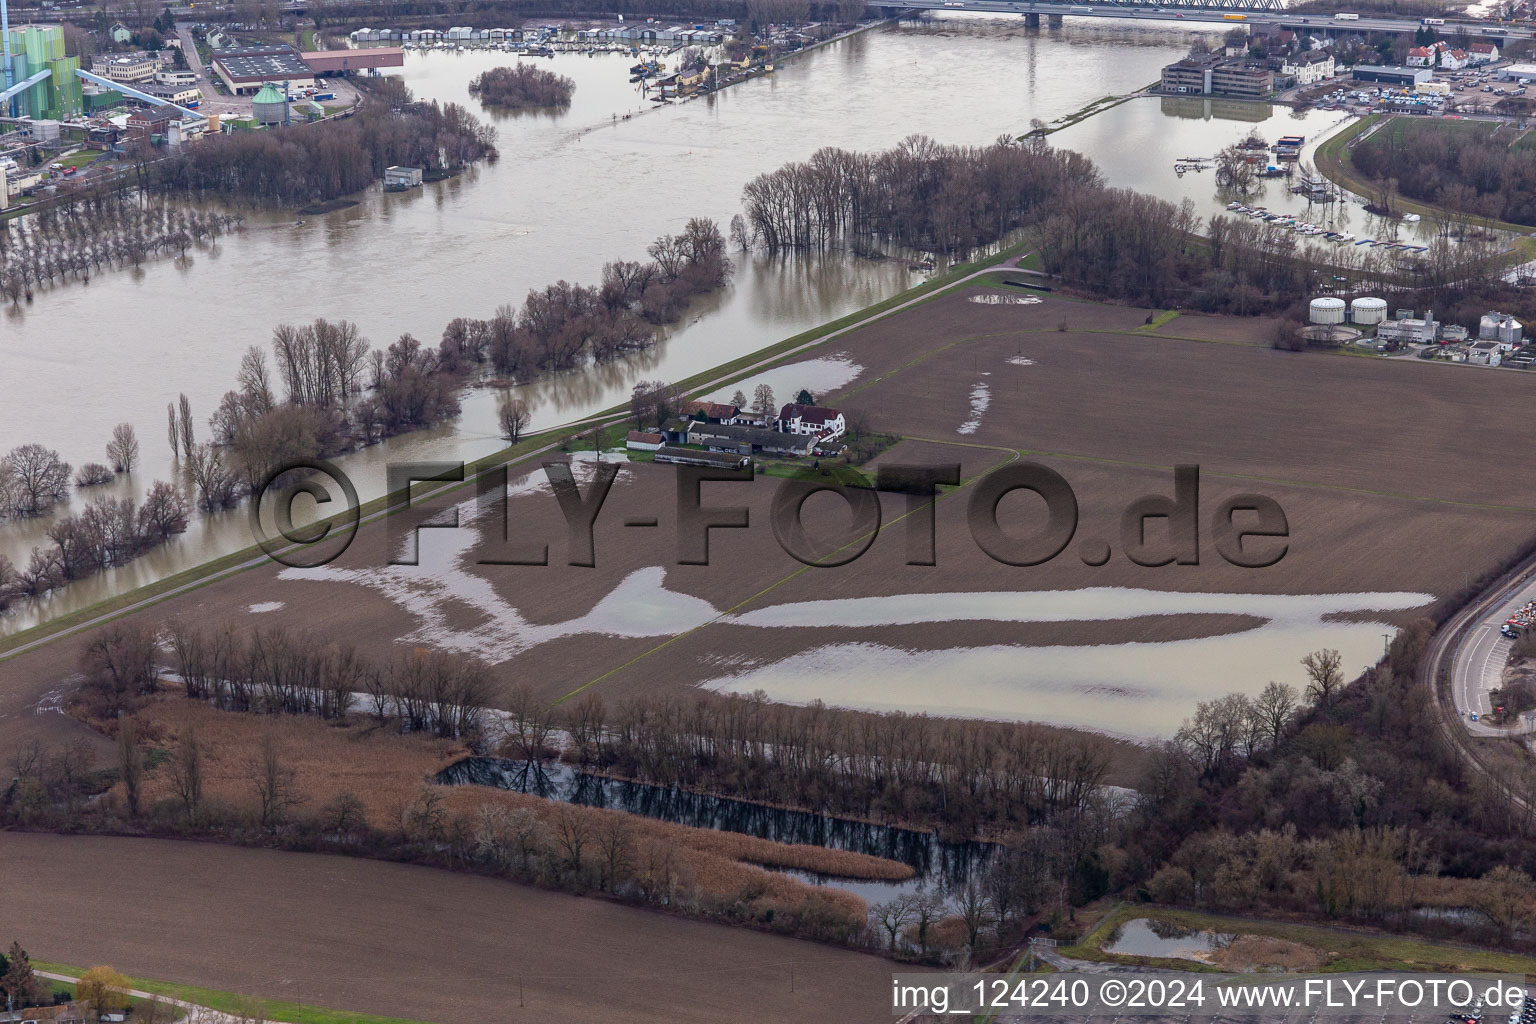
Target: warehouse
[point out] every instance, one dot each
(244, 69)
(1402, 77)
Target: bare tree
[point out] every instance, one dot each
(123, 449)
(275, 783)
(514, 416)
(1324, 676)
(1275, 705)
(186, 771)
(184, 422)
(763, 403)
(130, 764)
(171, 434)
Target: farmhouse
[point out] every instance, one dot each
(1421, 57)
(795, 418)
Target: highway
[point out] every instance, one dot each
(1215, 15)
(1478, 659)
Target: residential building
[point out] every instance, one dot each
(1421, 57)
(795, 418)
(1453, 60)
(57, 97)
(1483, 53)
(120, 33)
(1308, 68)
(245, 69)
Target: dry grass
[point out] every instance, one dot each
(388, 772)
(1248, 953)
(382, 769)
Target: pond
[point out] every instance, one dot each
(1153, 937)
(934, 861)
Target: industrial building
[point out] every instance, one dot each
(246, 69)
(345, 62)
(129, 68)
(58, 97)
(1401, 77)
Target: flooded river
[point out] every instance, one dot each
(570, 192)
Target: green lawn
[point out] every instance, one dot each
(79, 159)
(1343, 949)
(230, 1002)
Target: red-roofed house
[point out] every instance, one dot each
(1421, 57)
(812, 419)
(1483, 53)
(1453, 60)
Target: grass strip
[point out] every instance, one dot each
(239, 1005)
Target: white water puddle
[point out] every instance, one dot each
(981, 397)
(820, 376)
(1133, 689)
(1136, 689)
(993, 299)
(265, 606)
(1021, 361)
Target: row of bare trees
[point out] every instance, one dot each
(966, 776)
(98, 229)
(274, 671)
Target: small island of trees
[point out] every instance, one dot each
(522, 86)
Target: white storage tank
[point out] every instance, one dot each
(1368, 310)
(1327, 310)
(1510, 331)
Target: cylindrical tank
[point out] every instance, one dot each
(267, 105)
(1327, 310)
(1510, 331)
(1368, 310)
